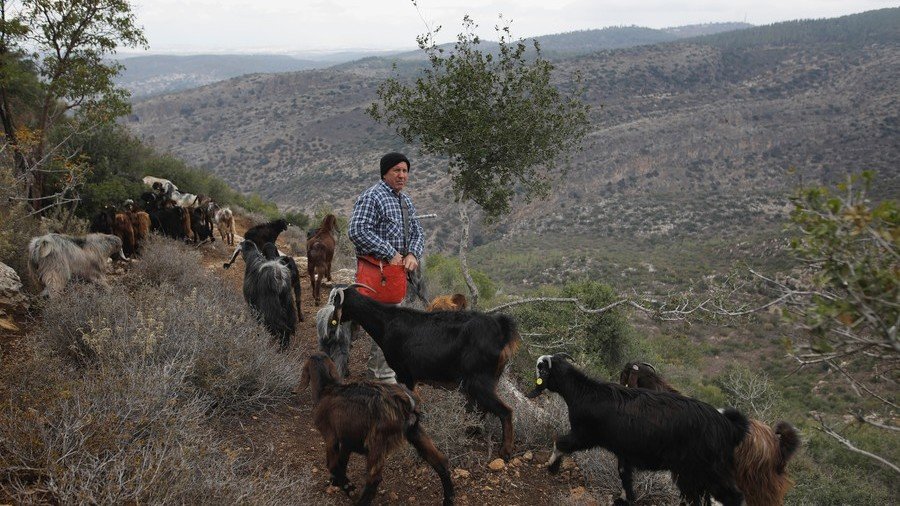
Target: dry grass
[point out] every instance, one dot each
(120, 388)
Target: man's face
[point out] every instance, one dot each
(396, 176)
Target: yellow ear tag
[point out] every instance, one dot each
(334, 322)
(538, 381)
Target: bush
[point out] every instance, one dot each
(117, 393)
(599, 342)
(443, 274)
(133, 436)
(204, 333)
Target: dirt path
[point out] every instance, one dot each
(286, 435)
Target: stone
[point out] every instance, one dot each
(461, 473)
(528, 455)
(11, 288)
(497, 465)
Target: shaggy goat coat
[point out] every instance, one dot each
(267, 290)
(56, 259)
(334, 340)
(371, 418)
(647, 430)
(760, 460)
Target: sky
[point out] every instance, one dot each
(286, 26)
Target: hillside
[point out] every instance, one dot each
(691, 140)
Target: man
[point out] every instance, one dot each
(384, 225)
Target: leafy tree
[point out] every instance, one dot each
(71, 40)
(848, 295)
(503, 127)
(850, 246)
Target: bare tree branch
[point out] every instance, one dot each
(844, 441)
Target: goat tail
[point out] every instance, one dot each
(788, 443)
(739, 421)
(510, 340)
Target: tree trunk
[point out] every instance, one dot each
(463, 249)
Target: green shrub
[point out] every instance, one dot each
(443, 275)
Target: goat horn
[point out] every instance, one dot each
(649, 365)
(340, 294)
(362, 285)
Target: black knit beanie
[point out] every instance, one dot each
(389, 160)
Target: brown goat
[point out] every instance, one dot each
(370, 418)
(140, 224)
(760, 459)
(319, 254)
(124, 230)
(455, 302)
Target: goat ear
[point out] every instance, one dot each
(459, 300)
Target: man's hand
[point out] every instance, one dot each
(397, 260)
(410, 262)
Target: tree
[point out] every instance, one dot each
(496, 117)
(70, 40)
(850, 247)
(847, 296)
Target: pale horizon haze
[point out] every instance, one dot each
(292, 26)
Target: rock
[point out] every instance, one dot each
(460, 473)
(493, 479)
(528, 455)
(332, 490)
(497, 464)
(516, 462)
(344, 276)
(11, 288)
(411, 499)
(301, 262)
(394, 497)
(568, 464)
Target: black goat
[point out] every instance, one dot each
(460, 348)
(267, 290)
(266, 232)
(271, 253)
(760, 460)
(371, 418)
(647, 430)
(200, 226)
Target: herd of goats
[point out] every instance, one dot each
(642, 420)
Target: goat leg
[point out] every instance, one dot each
(426, 449)
(483, 392)
(626, 473)
(374, 466)
(564, 445)
(337, 460)
(295, 283)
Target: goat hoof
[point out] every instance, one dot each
(621, 502)
(554, 467)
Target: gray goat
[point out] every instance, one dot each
(267, 290)
(56, 259)
(334, 340)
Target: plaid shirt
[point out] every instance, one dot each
(376, 226)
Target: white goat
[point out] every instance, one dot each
(56, 259)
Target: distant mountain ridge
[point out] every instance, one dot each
(149, 75)
(690, 139)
